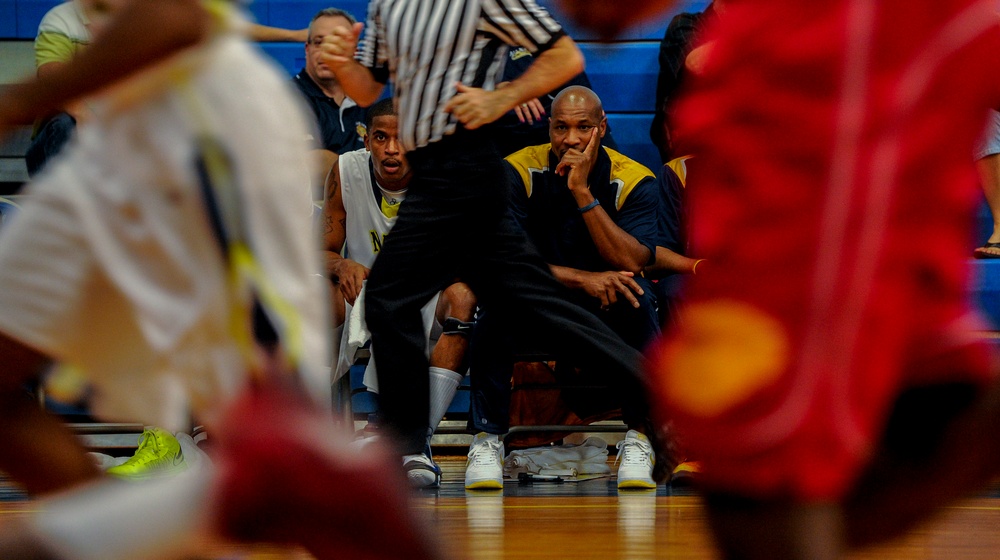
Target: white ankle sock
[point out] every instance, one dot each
(443, 384)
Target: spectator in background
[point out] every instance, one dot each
(670, 261)
(679, 57)
(364, 192)
(988, 163)
(62, 33)
(341, 121)
(528, 124)
(592, 213)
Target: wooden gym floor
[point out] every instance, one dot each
(584, 520)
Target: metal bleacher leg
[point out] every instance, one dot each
(342, 399)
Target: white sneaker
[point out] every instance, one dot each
(484, 469)
(421, 470)
(637, 459)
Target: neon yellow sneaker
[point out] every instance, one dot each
(685, 474)
(159, 454)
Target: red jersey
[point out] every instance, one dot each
(832, 190)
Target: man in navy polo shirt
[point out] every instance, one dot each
(592, 213)
(341, 121)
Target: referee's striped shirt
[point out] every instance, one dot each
(425, 46)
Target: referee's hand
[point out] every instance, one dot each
(338, 48)
(475, 107)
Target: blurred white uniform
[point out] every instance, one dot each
(112, 265)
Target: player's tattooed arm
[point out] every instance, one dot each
(334, 220)
(349, 274)
(332, 181)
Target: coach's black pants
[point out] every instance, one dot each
(454, 224)
(496, 346)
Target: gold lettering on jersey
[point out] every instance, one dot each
(377, 240)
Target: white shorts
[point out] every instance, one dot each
(111, 264)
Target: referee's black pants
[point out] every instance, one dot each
(454, 224)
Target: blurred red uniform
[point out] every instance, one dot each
(832, 190)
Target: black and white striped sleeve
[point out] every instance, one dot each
(372, 49)
(521, 23)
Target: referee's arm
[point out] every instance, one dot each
(338, 50)
(552, 68)
(475, 107)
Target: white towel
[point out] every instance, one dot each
(350, 337)
(590, 457)
(357, 329)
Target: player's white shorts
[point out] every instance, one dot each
(112, 266)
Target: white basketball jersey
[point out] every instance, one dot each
(367, 225)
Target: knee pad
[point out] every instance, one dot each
(452, 325)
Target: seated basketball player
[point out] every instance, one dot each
(365, 190)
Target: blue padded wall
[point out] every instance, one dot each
(29, 14)
(631, 132)
(623, 75)
(651, 30)
(295, 14)
(290, 56)
(8, 19)
(259, 12)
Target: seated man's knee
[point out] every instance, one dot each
(459, 302)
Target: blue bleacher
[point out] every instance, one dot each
(365, 403)
(985, 289)
(8, 209)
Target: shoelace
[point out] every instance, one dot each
(147, 448)
(146, 436)
(633, 451)
(485, 453)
